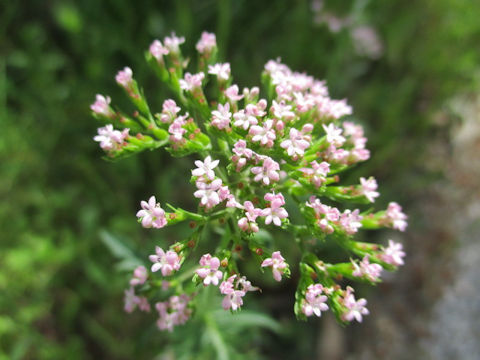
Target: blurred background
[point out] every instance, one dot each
(410, 70)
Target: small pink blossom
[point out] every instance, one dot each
(334, 135)
(209, 271)
(132, 301)
(205, 168)
(275, 213)
(251, 94)
(317, 172)
(267, 172)
(140, 275)
(303, 102)
(248, 223)
(350, 221)
(158, 50)
(257, 109)
(206, 43)
(222, 71)
(278, 264)
(176, 130)
(124, 77)
(232, 93)
(395, 216)
(101, 106)
(393, 254)
(221, 117)
(208, 193)
(368, 188)
(167, 262)
(315, 302)
(324, 214)
(191, 82)
(151, 214)
(111, 139)
(282, 111)
(172, 43)
(297, 144)
(169, 111)
(233, 299)
(366, 269)
(264, 134)
(354, 308)
(244, 120)
(173, 312)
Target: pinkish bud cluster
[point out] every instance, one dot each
(133, 301)
(263, 153)
(173, 312)
(367, 270)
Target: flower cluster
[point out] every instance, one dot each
(260, 156)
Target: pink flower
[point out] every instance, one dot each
(275, 213)
(209, 271)
(233, 299)
(244, 120)
(101, 106)
(191, 82)
(111, 139)
(368, 188)
(176, 130)
(354, 308)
(350, 221)
(172, 43)
(232, 93)
(173, 312)
(267, 172)
(318, 172)
(338, 108)
(248, 223)
(132, 301)
(205, 168)
(324, 214)
(334, 135)
(278, 264)
(393, 254)
(124, 77)
(263, 134)
(314, 301)
(282, 111)
(140, 275)
(251, 94)
(304, 102)
(151, 214)
(221, 117)
(365, 269)
(396, 217)
(208, 194)
(297, 144)
(169, 111)
(222, 71)
(167, 262)
(206, 43)
(158, 50)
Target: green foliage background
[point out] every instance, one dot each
(61, 293)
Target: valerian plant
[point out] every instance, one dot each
(258, 154)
